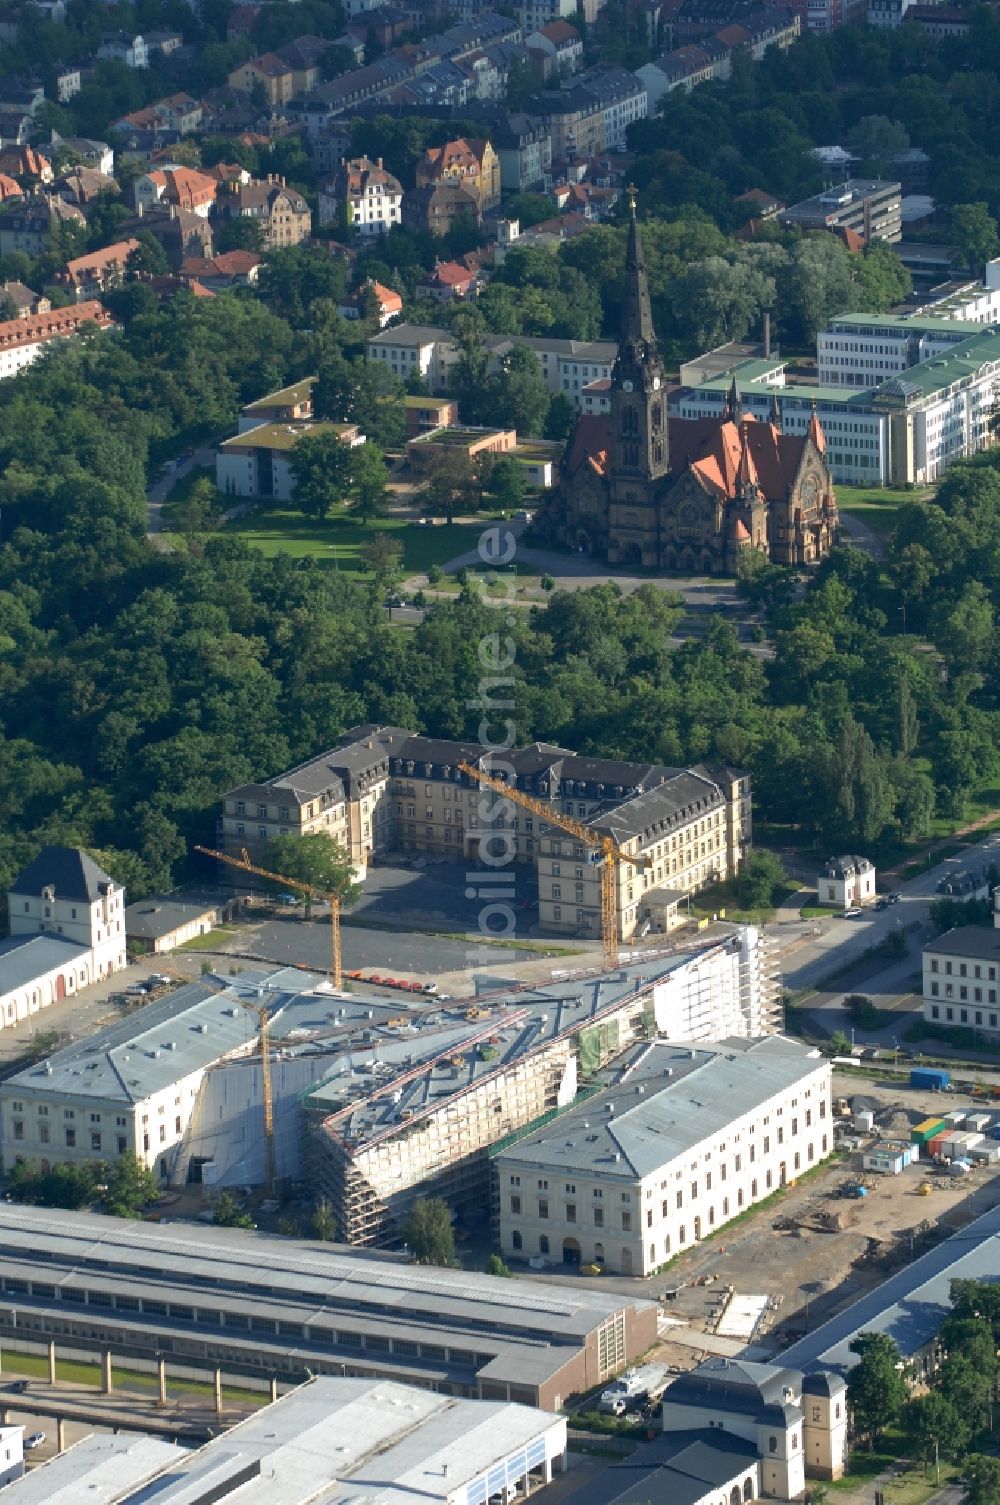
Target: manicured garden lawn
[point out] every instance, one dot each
(337, 541)
(877, 506)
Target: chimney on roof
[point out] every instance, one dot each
(379, 162)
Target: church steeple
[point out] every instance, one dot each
(637, 316)
(638, 384)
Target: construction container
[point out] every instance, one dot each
(979, 1122)
(987, 1153)
(956, 1118)
(933, 1146)
(930, 1078)
(864, 1123)
(959, 1168)
(994, 1131)
(953, 1147)
(922, 1132)
(970, 1140)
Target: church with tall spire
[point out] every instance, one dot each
(686, 496)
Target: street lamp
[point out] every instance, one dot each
(902, 609)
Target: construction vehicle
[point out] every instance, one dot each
(606, 846)
(264, 1034)
(245, 865)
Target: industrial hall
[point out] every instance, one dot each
(686, 495)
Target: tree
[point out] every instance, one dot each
(974, 231)
(322, 465)
(369, 481)
(878, 141)
(495, 1266)
(560, 419)
(522, 82)
(227, 1213)
(428, 1234)
(516, 396)
(449, 484)
(382, 554)
(149, 259)
(983, 1474)
(503, 482)
(324, 1224)
(933, 1428)
(876, 1389)
(318, 860)
(131, 1186)
(761, 874)
(240, 233)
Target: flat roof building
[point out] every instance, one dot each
(683, 1140)
(99, 1468)
(868, 206)
(261, 1305)
(327, 1441)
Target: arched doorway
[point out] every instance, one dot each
(734, 1495)
(747, 1491)
(60, 987)
(633, 556)
(583, 543)
(571, 1251)
(626, 1261)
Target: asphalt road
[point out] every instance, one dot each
(809, 959)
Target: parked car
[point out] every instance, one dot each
(19, 1386)
(895, 897)
(853, 914)
(288, 901)
(34, 1441)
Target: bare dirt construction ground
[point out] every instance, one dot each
(813, 1274)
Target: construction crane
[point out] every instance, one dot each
(606, 846)
(245, 865)
(264, 1032)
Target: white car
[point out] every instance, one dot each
(853, 914)
(34, 1441)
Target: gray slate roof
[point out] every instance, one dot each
(675, 1098)
(68, 870)
(25, 957)
(677, 1468)
(967, 940)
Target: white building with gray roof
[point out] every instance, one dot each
(132, 1087)
(66, 918)
(685, 1139)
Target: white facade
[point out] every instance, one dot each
(133, 1087)
(960, 980)
(846, 881)
(576, 1196)
(11, 1454)
(130, 50)
(534, 14)
(863, 350)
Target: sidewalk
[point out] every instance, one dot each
(941, 842)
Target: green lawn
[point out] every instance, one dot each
(79, 1372)
(877, 506)
(337, 541)
(211, 940)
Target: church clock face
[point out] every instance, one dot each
(626, 386)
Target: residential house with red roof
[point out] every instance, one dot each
(447, 282)
(88, 276)
(472, 163)
(22, 340)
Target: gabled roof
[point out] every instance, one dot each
(591, 445)
(68, 870)
(714, 452)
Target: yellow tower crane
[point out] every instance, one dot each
(245, 865)
(606, 846)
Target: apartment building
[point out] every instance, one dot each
(960, 979)
(88, 276)
(283, 213)
(382, 788)
(685, 1139)
(568, 366)
(471, 163)
(592, 113)
(971, 302)
(869, 207)
(364, 191)
(23, 339)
